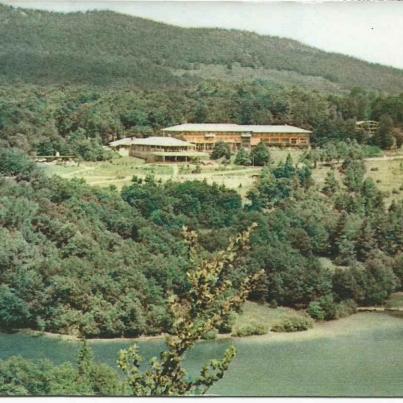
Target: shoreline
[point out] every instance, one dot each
(339, 327)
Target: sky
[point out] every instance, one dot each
(369, 30)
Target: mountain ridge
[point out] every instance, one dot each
(108, 48)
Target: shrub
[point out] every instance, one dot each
(220, 150)
(250, 330)
(315, 311)
(14, 311)
(293, 324)
(211, 335)
(227, 323)
(15, 162)
(242, 157)
(322, 309)
(260, 155)
(371, 151)
(345, 308)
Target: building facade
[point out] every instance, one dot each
(154, 149)
(367, 127)
(205, 135)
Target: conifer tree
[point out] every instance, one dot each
(242, 157)
(260, 155)
(365, 242)
(221, 150)
(384, 135)
(331, 185)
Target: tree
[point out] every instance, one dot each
(384, 135)
(331, 185)
(354, 174)
(260, 155)
(203, 308)
(365, 242)
(14, 162)
(285, 169)
(14, 311)
(242, 157)
(93, 378)
(220, 150)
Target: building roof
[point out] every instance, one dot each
(360, 122)
(151, 141)
(231, 127)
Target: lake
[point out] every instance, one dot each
(357, 356)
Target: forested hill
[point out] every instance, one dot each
(106, 48)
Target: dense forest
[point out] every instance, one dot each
(103, 262)
(98, 262)
(70, 83)
(104, 48)
(79, 120)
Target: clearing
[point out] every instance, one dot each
(385, 171)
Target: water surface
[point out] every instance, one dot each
(357, 356)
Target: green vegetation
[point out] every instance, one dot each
(40, 47)
(79, 120)
(221, 150)
(293, 324)
(76, 104)
(209, 300)
(242, 157)
(105, 262)
(78, 246)
(250, 330)
(326, 309)
(260, 155)
(263, 314)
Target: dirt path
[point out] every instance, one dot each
(378, 309)
(385, 158)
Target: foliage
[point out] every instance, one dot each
(280, 183)
(14, 311)
(384, 136)
(210, 297)
(14, 162)
(368, 284)
(250, 330)
(211, 335)
(242, 157)
(221, 150)
(295, 323)
(345, 308)
(322, 309)
(260, 155)
(68, 250)
(149, 54)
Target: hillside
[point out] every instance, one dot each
(106, 48)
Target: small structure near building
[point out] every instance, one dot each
(368, 127)
(205, 135)
(56, 158)
(154, 149)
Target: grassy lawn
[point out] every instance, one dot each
(116, 172)
(119, 172)
(388, 174)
